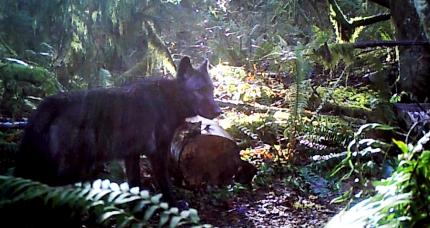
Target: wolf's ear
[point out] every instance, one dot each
(184, 67)
(204, 67)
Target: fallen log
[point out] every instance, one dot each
(203, 153)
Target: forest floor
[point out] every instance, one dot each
(274, 206)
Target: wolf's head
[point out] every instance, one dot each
(198, 88)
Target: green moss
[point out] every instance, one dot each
(20, 81)
(351, 97)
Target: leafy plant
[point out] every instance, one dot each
(401, 200)
(100, 203)
(362, 98)
(360, 147)
(23, 85)
(119, 36)
(298, 98)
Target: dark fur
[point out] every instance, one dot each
(70, 132)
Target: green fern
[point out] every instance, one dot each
(298, 95)
(101, 203)
(400, 200)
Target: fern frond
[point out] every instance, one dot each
(100, 203)
(298, 96)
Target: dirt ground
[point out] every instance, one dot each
(274, 206)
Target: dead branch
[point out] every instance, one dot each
(248, 107)
(369, 44)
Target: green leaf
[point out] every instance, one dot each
(114, 187)
(346, 195)
(145, 194)
(175, 221)
(193, 215)
(137, 225)
(97, 184)
(123, 195)
(84, 191)
(401, 145)
(10, 184)
(150, 211)
(185, 214)
(125, 221)
(112, 196)
(22, 187)
(101, 194)
(123, 200)
(68, 195)
(174, 210)
(164, 218)
(106, 216)
(93, 192)
(156, 199)
(139, 206)
(95, 204)
(124, 187)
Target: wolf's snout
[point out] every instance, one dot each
(210, 110)
(218, 111)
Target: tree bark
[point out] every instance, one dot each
(346, 27)
(414, 61)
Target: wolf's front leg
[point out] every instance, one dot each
(160, 172)
(132, 168)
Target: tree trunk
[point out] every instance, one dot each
(414, 61)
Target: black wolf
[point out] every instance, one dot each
(70, 132)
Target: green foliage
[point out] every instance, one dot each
(253, 127)
(348, 27)
(101, 204)
(360, 147)
(241, 86)
(265, 173)
(298, 97)
(89, 36)
(329, 129)
(8, 150)
(22, 84)
(401, 200)
(334, 54)
(301, 72)
(228, 192)
(242, 32)
(362, 98)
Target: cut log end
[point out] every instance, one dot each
(205, 158)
